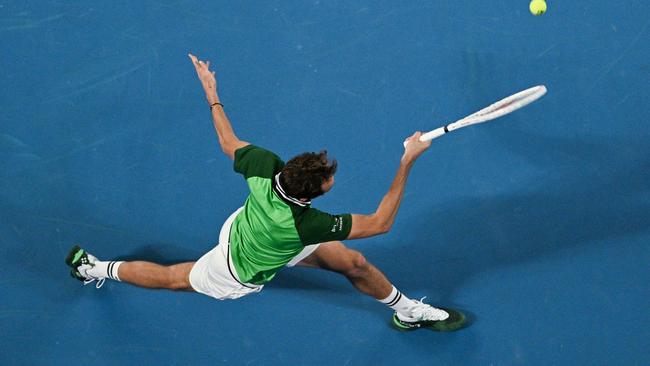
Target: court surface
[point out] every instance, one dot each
(537, 224)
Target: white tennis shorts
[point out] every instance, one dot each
(214, 273)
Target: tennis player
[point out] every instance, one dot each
(277, 227)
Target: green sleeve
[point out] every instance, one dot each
(316, 227)
(253, 161)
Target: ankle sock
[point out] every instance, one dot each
(398, 302)
(106, 269)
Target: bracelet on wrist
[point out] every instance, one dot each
(215, 104)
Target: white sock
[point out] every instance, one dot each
(107, 269)
(399, 302)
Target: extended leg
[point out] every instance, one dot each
(88, 268)
(365, 277)
(409, 314)
(152, 275)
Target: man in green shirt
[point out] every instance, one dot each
(277, 227)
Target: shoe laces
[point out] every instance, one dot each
(85, 267)
(422, 311)
(99, 284)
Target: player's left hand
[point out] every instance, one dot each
(207, 77)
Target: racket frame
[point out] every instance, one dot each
(495, 110)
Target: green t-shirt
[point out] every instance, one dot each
(274, 227)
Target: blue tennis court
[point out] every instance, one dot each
(536, 224)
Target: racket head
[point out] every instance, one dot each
(495, 110)
(501, 108)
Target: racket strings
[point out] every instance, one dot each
(501, 107)
(493, 111)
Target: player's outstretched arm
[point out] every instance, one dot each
(382, 220)
(227, 138)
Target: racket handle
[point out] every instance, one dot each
(430, 135)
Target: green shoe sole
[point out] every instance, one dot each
(73, 256)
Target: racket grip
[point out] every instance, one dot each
(430, 135)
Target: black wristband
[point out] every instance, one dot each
(215, 103)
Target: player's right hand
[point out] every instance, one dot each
(414, 147)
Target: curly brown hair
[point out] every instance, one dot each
(304, 174)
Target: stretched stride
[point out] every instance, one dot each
(277, 227)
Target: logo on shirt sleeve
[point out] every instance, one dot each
(338, 224)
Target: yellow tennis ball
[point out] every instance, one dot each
(538, 7)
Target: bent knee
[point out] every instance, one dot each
(358, 260)
(356, 263)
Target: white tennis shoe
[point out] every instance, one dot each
(426, 316)
(423, 312)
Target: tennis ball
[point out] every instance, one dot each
(538, 7)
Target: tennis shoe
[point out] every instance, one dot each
(423, 315)
(81, 262)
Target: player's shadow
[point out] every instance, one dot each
(597, 191)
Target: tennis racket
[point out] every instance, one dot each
(496, 110)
